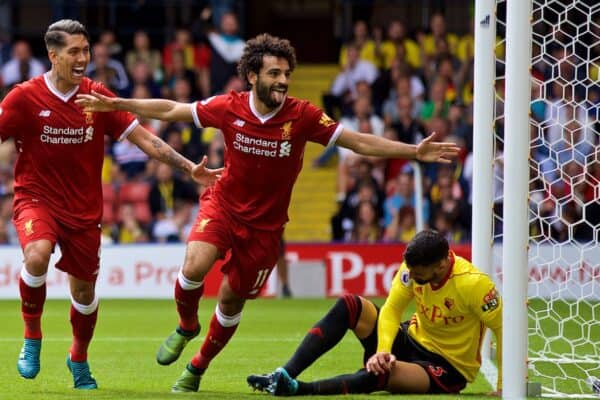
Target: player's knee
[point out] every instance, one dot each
(83, 294)
(36, 259)
(351, 305)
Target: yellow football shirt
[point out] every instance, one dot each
(450, 319)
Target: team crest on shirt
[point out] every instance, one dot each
(89, 118)
(202, 224)
(326, 121)
(449, 303)
(286, 131)
(29, 228)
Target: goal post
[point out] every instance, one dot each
(538, 180)
(516, 189)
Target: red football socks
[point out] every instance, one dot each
(216, 339)
(32, 305)
(83, 330)
(187, 306)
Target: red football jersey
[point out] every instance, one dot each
(60, 149)
(263, 153)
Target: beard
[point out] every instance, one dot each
(264, 94)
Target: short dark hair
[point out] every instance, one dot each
(426, 248)
(264, 45)
(55, 35)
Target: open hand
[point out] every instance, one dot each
(430, 151)
(96, 102)
(206, 176)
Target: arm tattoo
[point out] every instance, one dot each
(169, 156)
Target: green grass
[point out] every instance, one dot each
(129, 332)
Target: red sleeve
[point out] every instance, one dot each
(119, 124)
(320, 127)
(211, 111)
(11, 114)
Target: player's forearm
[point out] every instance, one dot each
(371, 145)
(387, 328)
(165, 153)
(148, 108)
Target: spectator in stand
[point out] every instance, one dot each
(409, 129)
(398, 42)
(143, 52)
(343, 90)
(363, 43)
(22, 65)
(437, 27)
(227, 48)
(173, 228)
(402, 82)
(451, 206)
(349, 162)
(403, 195)
(107, 69)
(444, 67)
(109, 39)
(196, 57)
(367, 228)
(366, 189)
(129, 229)
(141, 74)
(179, 71)
(167, 190)
(436, 105)
(403, 227)
(460, 120)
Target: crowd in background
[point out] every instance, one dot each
(393, 83)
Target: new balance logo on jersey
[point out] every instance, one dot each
(239, 122)
(44, 113)
(285, 149)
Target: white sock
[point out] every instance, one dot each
(226, 320)
(187, 284)
(85, 309)
(31, 280)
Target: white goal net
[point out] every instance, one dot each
(564, 192)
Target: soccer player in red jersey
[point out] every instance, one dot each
(58, 191)
(244, 213)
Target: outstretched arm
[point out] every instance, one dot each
(371, 145)
(163, 109)
(156, 148)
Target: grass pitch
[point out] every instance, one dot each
(129, 332)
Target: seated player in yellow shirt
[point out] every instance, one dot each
(436, 351)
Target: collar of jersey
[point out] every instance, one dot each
(437, 286)
(263, 118)
(64, 97)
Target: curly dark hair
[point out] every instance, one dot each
(426, 248)
(264, 45)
